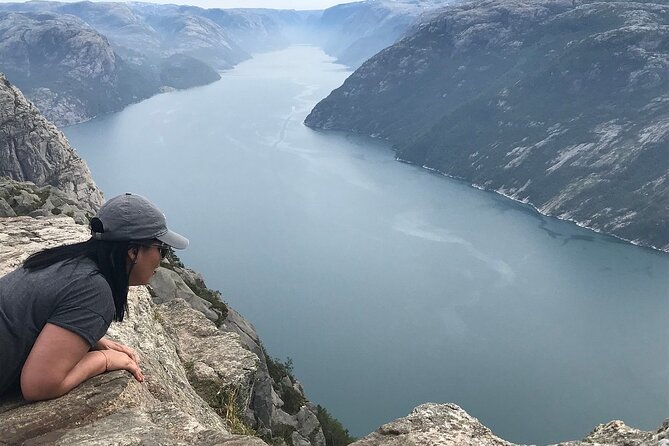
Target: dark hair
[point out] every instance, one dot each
(110, 257)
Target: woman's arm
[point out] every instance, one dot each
(60, 360)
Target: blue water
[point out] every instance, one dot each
(387, 285)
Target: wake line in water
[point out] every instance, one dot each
(415, 226)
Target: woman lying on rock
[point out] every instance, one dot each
(55, 309)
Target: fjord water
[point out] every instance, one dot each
(387, 285)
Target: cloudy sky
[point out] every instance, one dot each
(274, 4)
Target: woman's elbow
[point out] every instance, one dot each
(39, 388)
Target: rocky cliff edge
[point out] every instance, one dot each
(112, 408)
(207, 378)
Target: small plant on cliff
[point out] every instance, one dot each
(224, 401)
(172, 260)
(335, 434)
(278, 371)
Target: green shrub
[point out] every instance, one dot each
(278, 370)
(335, 434)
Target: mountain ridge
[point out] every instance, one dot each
(557, 106)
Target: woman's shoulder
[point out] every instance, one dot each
(69, 277)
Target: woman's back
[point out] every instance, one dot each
(72, 295)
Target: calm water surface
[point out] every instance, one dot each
(387, 285)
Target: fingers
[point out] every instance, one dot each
(123, 348)
(128, 351)
(137, 373)
(122, 360)
(133, 368)
(133, 354)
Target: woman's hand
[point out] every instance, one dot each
(61, 360)
(118, 360)
(108, 344)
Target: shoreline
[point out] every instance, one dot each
(530, 204)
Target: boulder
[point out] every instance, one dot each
(168, 285)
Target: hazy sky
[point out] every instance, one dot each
(274, 4)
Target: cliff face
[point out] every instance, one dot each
(559, 104)
(194, 36)
(33, 149)
(68, 69)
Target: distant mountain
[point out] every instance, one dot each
(561, 104)
(68, 69)
(354, 32)
(256, 30)
(79, 60)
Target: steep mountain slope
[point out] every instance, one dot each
(254, 30)
(33, 149)
(353, 32)
(68, 69)
(181, 32)
(72, 73)
(561, 104)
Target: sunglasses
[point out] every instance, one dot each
(163, 248)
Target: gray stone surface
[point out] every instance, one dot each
(256, 391)
(168, 285)
(433, 424)
(33, 149)
(616, 433)
(5, 209)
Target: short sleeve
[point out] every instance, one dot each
(85, 307)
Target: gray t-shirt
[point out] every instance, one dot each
(73, 295)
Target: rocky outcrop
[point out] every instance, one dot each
(559, 104)
(443, 424)
(113, 408)
(33, 149)
(177, 288)
(204, 385)
(21, 198)
(449, 425)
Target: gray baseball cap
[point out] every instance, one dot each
(133, 217)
